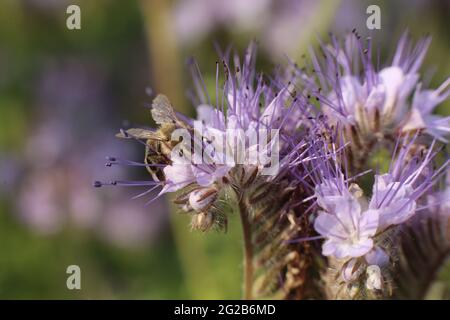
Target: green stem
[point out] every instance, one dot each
(248, 251)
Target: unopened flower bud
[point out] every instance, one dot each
(202, 221)
(352, 270)
(201, 199)
(373, 281)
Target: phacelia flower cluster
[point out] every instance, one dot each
(297, 153)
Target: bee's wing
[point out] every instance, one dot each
(164, 113)
(162, 110)
(139, 134)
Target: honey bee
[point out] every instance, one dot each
(159, 143)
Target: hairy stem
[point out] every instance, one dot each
(248, 250)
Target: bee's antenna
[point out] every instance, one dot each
(117, 161)
(98, 184)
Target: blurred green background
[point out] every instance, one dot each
(63, 95)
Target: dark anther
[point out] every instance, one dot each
(97, 184)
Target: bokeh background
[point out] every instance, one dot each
(64, 93)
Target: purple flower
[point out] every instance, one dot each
(410, 176)
(251, 131)
(421, 117)
(393, 199)
(349, 222)
(178, 176)
(317, 165)
(354, 93)
(377, 256)
(348, 230)
(345, 222)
